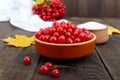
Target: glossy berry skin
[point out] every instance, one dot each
(62, 39)
(63, 33)
(69, 41)
(44, 69)
(53, 39)
(27, 60)
(56, 73)
(51, 10)
(49, 65)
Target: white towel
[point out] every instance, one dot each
(19, 13)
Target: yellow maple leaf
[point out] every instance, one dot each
(20, 41)
(39, 2)
(112, 30)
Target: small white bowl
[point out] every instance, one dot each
(100, 30)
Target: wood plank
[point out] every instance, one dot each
(109, 52)
(118, 8)
(77, 20)
(11, 65)
(83, 5)
(115, 22)
(109, 8)
(88, 68)
(92, 8)
(5, 28)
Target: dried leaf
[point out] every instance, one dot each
(39, 2)
(112, 30)
(20, 41)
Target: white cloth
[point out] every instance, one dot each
(19, 13)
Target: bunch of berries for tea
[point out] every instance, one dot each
(50, 10)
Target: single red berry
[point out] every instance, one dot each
(56, 73)
(69, 40)
(46, 38)
(44, 69)
(60, 30)
(41, 37)
(37, 35)
(27, 60)
(68, 34)
(62, 39)
(62, 23)
(70, 30)
(77, 40)
(49, 65)
(53, 39)
(76, 33)
(56, 34)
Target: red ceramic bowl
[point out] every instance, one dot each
(65, 51)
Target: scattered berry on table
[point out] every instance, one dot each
(44, 69)
(56, 73)
(27, 60)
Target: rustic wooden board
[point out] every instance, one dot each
(11, 65)
(76, 20)
(87, 68)
(101, 65)
(118, 8)
(92, 8)
(5, 28)
(115, 22)
(109, 52)
(83, 8)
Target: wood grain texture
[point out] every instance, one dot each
(83, 8)
(5, 28)
(11, 58)
(102, 64)
(109, 52)
(87, 68)
(115, 22)
(110, 55)
(92, 8)
(118, 8)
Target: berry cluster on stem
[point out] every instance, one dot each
(50, 10)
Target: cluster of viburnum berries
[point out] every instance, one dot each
(46, 68)
(50, 10)
(63, 33)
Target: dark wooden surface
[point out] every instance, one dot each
(102, 64)
(92, 8)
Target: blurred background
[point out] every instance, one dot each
(93, 8)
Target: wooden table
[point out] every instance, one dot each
(102, 64)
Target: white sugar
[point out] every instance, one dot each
(92, 25)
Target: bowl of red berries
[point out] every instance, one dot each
(63, 40)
